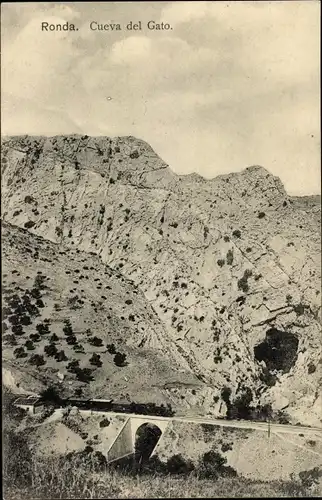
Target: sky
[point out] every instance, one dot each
(231, 84)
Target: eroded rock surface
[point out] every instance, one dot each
(221, 262)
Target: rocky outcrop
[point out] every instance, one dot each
(221, 262)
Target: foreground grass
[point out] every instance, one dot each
(54, 479)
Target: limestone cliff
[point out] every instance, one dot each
(228, 265)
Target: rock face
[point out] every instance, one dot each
(64, 310)
(229, 266)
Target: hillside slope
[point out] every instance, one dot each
(57, 300)
(231, 266)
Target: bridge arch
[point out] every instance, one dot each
(150, 429)
(146, 438)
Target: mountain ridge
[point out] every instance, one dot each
(222, 261)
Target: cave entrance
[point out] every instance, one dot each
(146, 439)
(278, 350)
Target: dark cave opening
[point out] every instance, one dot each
(278, 350)
(147, 437)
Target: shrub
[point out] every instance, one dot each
(10, 339)
(111, 348)
(84, 375)
(237, 233)
(17, 330)
(240, 408)
(50, 350)
(78, 348)
(67, 328)
(212, 461)
(61, 356)
(25, 320)
(50, 395)
(242, 282)
(29, 224)
(221, 262)
(282, 417)
(119, 359)
(29, 345)
(178, 465)
(230, 257)
(73, 366)
(42, 329)
(71, 340)
(243, 285)
(37, 360)
(95, 360)
(20, 352)
(311, 368)
(95, 341)
(225, 395)
(299, 309)
(261, 215)
(105, 422)
(134, 154)
(289, 299)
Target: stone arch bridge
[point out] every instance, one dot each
(123, 444)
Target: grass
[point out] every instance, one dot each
(62, 477)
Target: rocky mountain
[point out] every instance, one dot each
(230, 267)
(72, 321)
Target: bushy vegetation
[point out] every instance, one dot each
(230, 257)
(243, 281)
(86, 474)
(134, 154)
(237, 233)
(120, 359)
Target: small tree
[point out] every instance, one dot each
(35, 337)
(84, 375)
(51, 350)
(111, 348)
(95, 341)
(20, 352)
(61, 356)
(73, 366)
(42, 329)
(37, 360)
(105, 422)
(212, 464)
(71, 340)
(178, 465)
(29, 345)
(230, 257)
(50, 395)
(95, 360)
(67, 328)
(119, 359)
